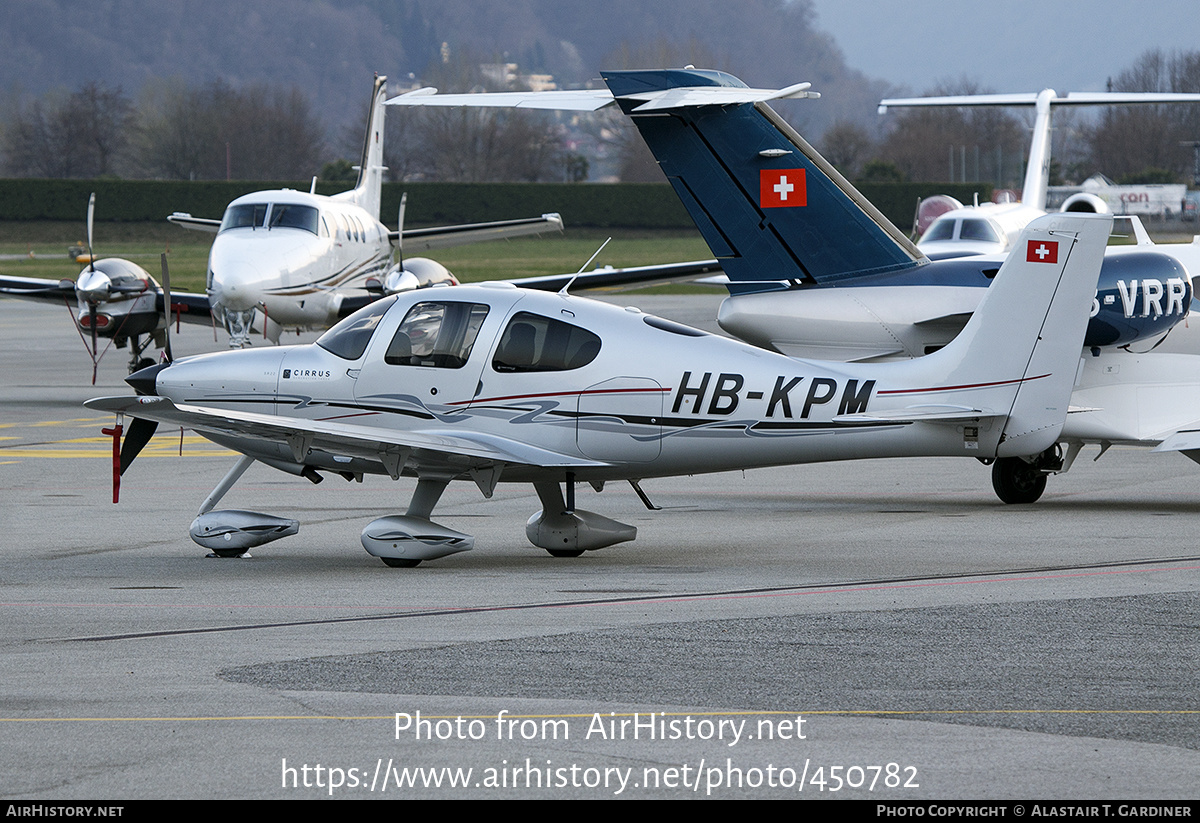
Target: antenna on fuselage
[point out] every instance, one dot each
(564, 289)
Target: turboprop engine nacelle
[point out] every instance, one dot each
(1140, 295)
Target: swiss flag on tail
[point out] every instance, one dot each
(780, 188)
(1042, 251)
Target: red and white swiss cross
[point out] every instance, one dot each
(1042, 251)
(780, 188)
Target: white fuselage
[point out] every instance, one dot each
(290, 255)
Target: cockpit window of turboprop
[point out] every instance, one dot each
(246, 215)
(293, 216)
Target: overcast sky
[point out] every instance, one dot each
(1006, 45)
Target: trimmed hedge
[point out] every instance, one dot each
(625, 205)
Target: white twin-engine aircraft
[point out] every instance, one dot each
(494, 383)
(290, 259)
(280, 260)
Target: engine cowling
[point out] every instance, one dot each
(417, 273)
(1084, 202)
(1141, 295)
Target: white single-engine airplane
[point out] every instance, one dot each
(991, 228)
(280, 260)
(495, 383)
(816, 270)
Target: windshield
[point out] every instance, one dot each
(978, 230)
(292, 216)
(940, 230)
(282, 216)
(245, 215)
(349, 338)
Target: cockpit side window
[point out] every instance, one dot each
(535, 343)
(440, 335)
(245, 215)
(349, 338)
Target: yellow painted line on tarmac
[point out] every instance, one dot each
(107, 453)
(75, 421)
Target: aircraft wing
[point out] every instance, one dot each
(1183, 439)
(605, 279)
(610, 279)
(368, 442)
(440, 237)
(184, 219)
(190, 308)
(35, 288)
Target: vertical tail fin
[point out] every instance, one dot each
(768, 205)
(368, 190)
(1019, 352)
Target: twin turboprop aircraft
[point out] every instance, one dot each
(280, 260)
(496, 384)
(817, 271)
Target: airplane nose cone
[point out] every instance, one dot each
(233, 286)
(92, 286)
(144, 380)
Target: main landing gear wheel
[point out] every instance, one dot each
(1016, 481)
(565, 552)
(400, 562)
(227, 553)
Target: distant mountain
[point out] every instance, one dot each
(330, 48)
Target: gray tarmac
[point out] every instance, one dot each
(936, 644)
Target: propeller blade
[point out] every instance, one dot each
(91, 213)
(166, 284)
(92, 326)
(139, 434)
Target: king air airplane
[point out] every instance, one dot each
(991, 228)
(817, 271)
(280, 260)
(494, 383)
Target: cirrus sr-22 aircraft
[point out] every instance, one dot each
(815, 270)
(494, 383)
(281, 259)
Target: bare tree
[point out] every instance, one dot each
(478, 145)
(957, 144)
(848, 146)
(1130, 141)
(83, 134)
(261, 133)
